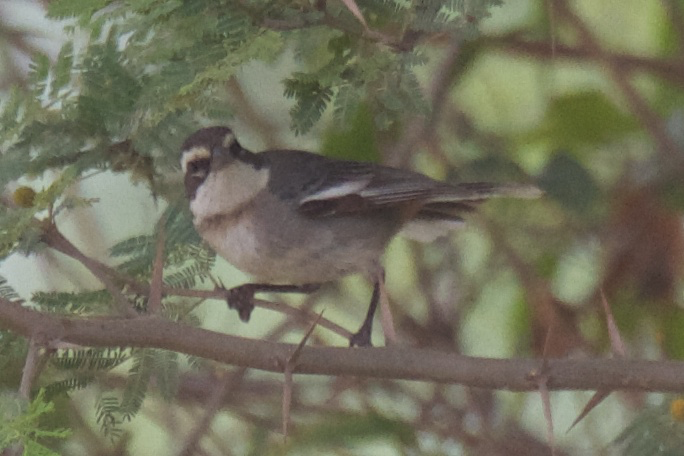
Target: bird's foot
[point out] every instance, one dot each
(362, 337)
(241, 298)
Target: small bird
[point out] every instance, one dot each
(294, 220)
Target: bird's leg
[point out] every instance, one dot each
(362, 337)
(241, 298)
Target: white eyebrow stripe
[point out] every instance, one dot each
(228, 139)
(192, 155)
(338, 191)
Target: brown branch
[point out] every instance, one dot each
(110, 277)
(33, 364)
(404, 43)
(651, 121)
(55, 239)
(675, 12)
(422, 128)
(259, 122)
(391, 363)
(154, 302)
(224, 385)
(667, 69)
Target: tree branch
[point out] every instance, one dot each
(55, 239)
(668, 69)
(110, 277)
(393, 363)
(653, 124)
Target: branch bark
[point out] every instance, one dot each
(671, 70)
(669, 149)
(392, 362)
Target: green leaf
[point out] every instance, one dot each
(61, 9)
(312, 99)
(566, 180)
(21, 424)
(671, 192)
(673, 339)
(653, 432)
(63, 387)
(356, 142)
(132, 246)
(13, 113)
(86, 302)
(167, 374)
(6, 291)
(39, 71)
(137, 382)
(107, 415)
(345, 429)
(63, 68)
(581, 120)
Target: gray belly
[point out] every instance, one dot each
(276, 244)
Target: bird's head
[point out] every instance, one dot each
(211, 150)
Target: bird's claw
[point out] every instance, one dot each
(241, 299)
(362, 338)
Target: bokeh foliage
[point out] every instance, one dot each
(134, 78)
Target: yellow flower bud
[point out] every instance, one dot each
(24, 196)
(677, 409)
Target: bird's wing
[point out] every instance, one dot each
(354, 187)
(327, 187)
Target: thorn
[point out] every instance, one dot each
(288, 370)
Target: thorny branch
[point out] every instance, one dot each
(396, 362)
(113, 280)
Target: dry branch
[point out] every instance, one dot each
(395, 362)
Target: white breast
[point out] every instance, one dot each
(236, 242)
(221, 210)
(226, 190)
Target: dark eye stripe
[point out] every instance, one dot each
(199, 167)
(237, 151)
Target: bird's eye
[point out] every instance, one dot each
(198, 167)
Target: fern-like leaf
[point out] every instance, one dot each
(68, 385)
(91, 359)
(107, 416)
(311, 101)
(137, 383)
(73, 302)
(6, 291)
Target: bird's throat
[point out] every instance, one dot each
(226, 190)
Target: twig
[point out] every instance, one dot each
(248, 114)
(421, 128)
(109, 276)
(648, 117)
(402, 44)
(288, 369)
(386, 319)
(675, 12)
(668, 69)
(32, 367)
(57, 241)
(154, 305)
(212, 406)
(542, 379)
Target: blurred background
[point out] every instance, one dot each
(583, 98)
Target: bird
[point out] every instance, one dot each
(294, 220)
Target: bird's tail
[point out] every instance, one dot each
(444, 212)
